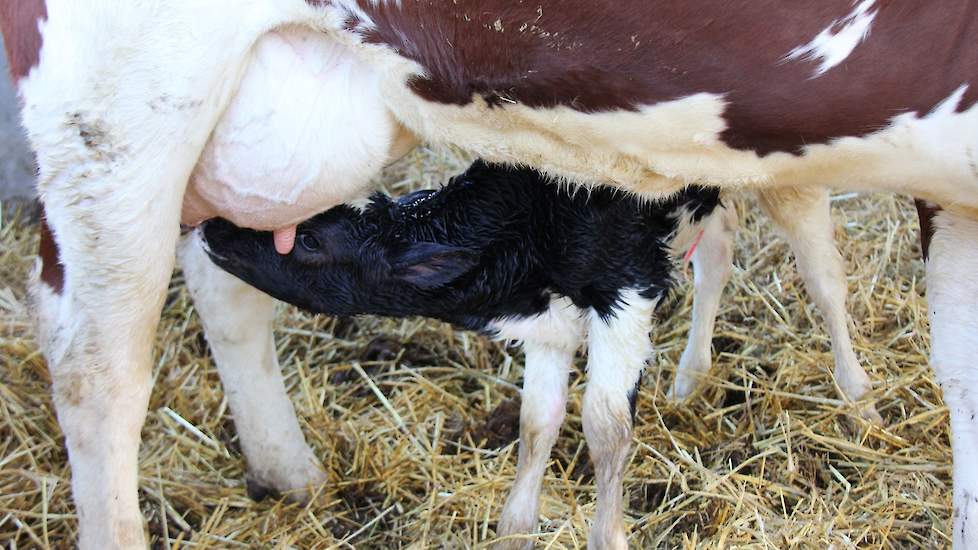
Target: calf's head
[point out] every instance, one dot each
(345, 261)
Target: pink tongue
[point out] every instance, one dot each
(284, 239)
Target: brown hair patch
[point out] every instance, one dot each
(52, 272)
(925, 217)
(22, 38)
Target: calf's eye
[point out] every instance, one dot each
(309, 242)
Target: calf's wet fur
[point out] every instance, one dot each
(496, 242)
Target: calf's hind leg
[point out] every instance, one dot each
(803, 217)
(712, 263)
(237, 322)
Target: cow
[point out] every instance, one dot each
(145, 113)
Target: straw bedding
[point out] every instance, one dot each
(416, 423)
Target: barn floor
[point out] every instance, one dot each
(416, 423)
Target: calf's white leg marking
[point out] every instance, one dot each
(237, 321)
(541, 415)
(712, 263)
(803, 216)
(618, 349)
(952, 296)
(549, 340)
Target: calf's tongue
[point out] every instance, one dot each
(284, 239)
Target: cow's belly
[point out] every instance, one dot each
(658, 149)
(305, 132)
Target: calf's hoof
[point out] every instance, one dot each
(682, 387)
(513, 531)
(297, 485)
(615, 540)
(688, 375)
(868, 413)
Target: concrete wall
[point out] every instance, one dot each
(16, 161)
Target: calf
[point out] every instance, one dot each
(505, 252)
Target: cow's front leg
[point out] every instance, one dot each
(952, 296)
(803, 216)
(237, 321)
(542, 407)
(618, 349)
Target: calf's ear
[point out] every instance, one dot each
(431, 265)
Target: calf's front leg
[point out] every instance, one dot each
(237, 322)
(618, 349)
(542, 407)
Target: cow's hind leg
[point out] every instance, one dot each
(712, 263)
(113, 164)
(96, 332)
(952, 296)
(618, 349)
(803, 216)
(237, 321)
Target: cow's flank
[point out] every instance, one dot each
(790, 74)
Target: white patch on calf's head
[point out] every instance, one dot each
(834, 44)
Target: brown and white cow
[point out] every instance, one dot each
(266, 111)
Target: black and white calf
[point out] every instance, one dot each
(503, 251)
